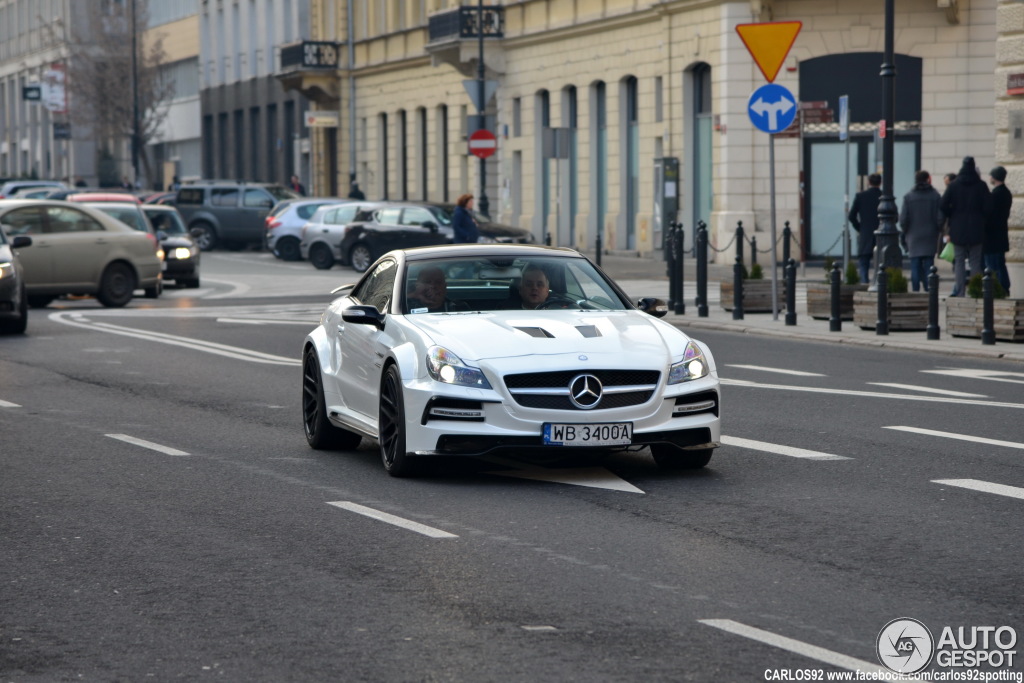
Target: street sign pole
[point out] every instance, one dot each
(775, 265)
(484, 206)
(844, 135)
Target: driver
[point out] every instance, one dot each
(430, 294)
(534, 286)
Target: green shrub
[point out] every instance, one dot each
(897, 282)
(756, 273)
(852, 276)
(975, 291)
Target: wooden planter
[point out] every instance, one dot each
(757, 295)
(964, 318)
(819, 300)
(907, 312)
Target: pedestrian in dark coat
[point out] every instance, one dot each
(921, 222)
(967, 203)
(997, 233)
(463, 223)
(355, 192)
(864, 219)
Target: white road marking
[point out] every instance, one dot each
(780, 450)
(594, 477)
(781, 371)
(6, 404)
(237, 289)
(795, 646)
(166, 450)
(983, 486)
(235, 352)
(246, 321)
(870, 394)
(960, 437)
(392, 519)
(991, 375)
(944, 392)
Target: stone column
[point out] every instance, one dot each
(1009, 128)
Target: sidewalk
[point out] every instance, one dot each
(647, 277)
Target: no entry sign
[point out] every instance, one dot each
(482, 143)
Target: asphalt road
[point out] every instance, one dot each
(163, 518)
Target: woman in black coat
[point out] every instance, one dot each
(997, 233)
(966, 204)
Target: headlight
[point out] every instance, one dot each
(445, 366)
(6, 270)
(180, 253)
(692, 366)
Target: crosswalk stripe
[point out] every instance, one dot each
(983, 486)
(780, 450)
(959, 437)
(928, 390)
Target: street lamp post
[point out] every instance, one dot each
(135, 97)
(887, 250)
(484, 205)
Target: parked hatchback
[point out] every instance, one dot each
(285, 222)
(79, 250)
(13, 297)
(229, 214)
(321, 237)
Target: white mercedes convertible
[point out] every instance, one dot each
(471, 349)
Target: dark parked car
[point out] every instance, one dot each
(181, 253)
(13, 298)
(414, 224)
(231, 214)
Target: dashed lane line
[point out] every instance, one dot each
(392, 519)
(166, 450)
(928, 390)
(959, 437)
(8, 404)
(781, 371)
(850, 393)
(780, 450)
(795, 646)
(983, 486)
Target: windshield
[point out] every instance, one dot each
(482, 284)
(280, 193)
(129, 215)
(168, 221)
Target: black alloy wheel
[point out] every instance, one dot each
(204, 235)
(669, 457)
(321, 257)
(320, 433)
(391, 426)
(116, 286)
(287, 249)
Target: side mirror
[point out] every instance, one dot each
(429, 225)
(653, 306)
(21, 241)
(363, 315)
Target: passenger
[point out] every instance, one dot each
(534, 291)
(430, 294)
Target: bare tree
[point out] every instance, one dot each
(114, 79)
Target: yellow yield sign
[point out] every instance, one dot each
(769, 43)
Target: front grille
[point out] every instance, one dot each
(555, 388)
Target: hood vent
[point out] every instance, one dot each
(538, 332)
(589, 330)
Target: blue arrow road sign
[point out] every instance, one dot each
(772, 108)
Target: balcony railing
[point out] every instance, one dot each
(468, 22)
(310, 54)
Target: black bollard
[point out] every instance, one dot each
(882, 324)
(737, 294)
(681, 260)
(753, 252)
(702, 270)
(547, 239)
(786, 234)
(835, 323)
(739, 242)
(933, 303)
(791, 292)
(598, 247)
(988, 332)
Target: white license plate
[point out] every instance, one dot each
(598, 434)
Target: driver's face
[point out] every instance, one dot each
(534, 288)
(431, 288)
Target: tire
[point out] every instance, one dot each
(155, 291)
(360, 257)
(321, 257)
(671, 458)
(287, 249)
(40, 300)
(391, 427)
(204, 235)
(320, 433)
(116, 286)
(17, 326)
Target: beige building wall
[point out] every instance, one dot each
(1009, 129)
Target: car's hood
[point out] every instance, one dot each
(505, 334)
(177, 241)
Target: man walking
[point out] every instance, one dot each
(997, 233)
(864, 219)
(921, 222)
(967, 204)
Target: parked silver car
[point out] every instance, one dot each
(321, 237)
(285, 222)
(80, 250)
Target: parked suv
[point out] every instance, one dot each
(231, 214)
